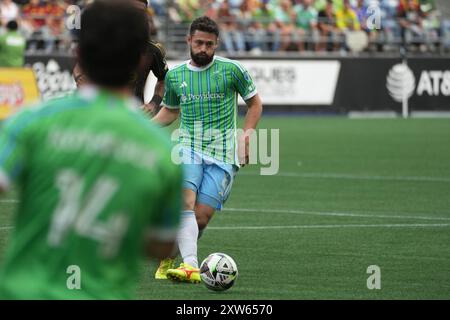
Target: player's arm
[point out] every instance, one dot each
(254, 112)
(153, 106)
(158, 93)
(245, 86)
(166, 116)
(171, 109)
(159, 69)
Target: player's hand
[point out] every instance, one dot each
(150, 109)
(243, 150)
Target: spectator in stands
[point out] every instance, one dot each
(410, 20)
(159, 6)
(320, 5)
(188, 10)
(431, 25)
(338, 5)
(256, 25)
(427, 5)
(284, 17)
(34, 15)
(346, 18)
(346, 21)
(361, 10)
(235, 4)
(363, 13)
(390, 30)
(12, 46)
(153, 22)
(306, 24)
(211, 8)
(54, 31)
(255, 37)
(389, 7)
(264, 18)
(8, 11)
(327, 28)
(232, 37)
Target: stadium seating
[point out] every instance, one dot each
(252, 26)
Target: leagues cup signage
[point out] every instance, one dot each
(295, 82)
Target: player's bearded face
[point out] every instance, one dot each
(201, 58)
(203, 47)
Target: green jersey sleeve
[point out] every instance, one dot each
(171, 99)
(243, 82)
(12, 149)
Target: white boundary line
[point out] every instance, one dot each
(9, 201)
(316, 213)
(332, 226)
(318, 226)
(430, 114)
(336, 214)
(316, 175)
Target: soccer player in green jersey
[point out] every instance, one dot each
(98, 189)
(203, 92)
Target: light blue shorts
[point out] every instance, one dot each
(212, 181)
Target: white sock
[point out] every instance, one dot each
(187, 238)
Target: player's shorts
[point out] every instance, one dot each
(211, 180)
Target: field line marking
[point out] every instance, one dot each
(336, 214)
(317, 213)
(9, 201)
(345, 176)
(318, 226)
(332, 226)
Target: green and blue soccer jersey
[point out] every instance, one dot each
(208, 99)
(95, 179)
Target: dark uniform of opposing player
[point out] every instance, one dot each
(153, 61)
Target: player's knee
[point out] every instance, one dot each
(203, 213)
(202, 222)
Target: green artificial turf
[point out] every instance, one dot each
(349, 194)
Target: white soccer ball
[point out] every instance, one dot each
(218, 272)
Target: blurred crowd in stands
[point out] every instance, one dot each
(317, 25)
(41, 22)
(255, 26)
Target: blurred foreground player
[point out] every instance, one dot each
(154, 60)
(98, 189)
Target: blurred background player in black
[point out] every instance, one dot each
(154, 60)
